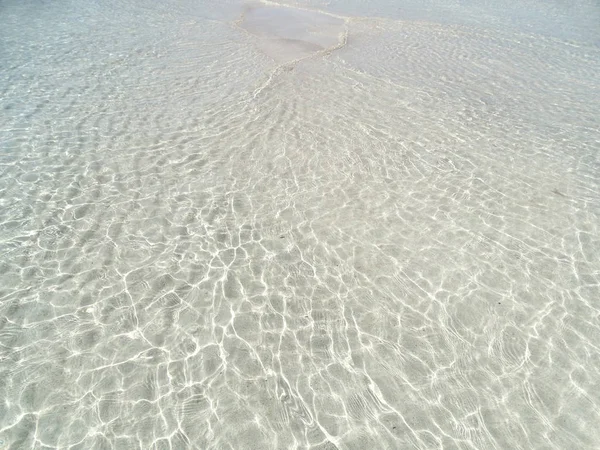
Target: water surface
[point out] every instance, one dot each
(304, 225)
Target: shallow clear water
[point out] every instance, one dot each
(320, 225)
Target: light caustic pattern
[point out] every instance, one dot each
(214, 236)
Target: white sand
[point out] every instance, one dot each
(249, 226)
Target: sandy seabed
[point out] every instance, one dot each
(301, 225)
